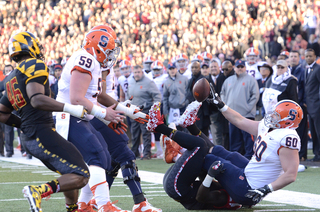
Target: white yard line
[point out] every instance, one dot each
(281, 196)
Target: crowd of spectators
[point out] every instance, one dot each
(165, 28)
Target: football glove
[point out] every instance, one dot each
(119, 128)
(215, 169)
(75, 110)
(257, 194)
(134, 113)
(215, 100)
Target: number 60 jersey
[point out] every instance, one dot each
(84, 62)
(264, 166)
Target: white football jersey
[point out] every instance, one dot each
(124, 83)
(149, 75)
(188, 72)
(253, 71)
(159, 82)
(111, 89)
(264, 166)
(84, 62)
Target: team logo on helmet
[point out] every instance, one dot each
(286, 114)
(25, 43)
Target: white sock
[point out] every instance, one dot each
(159, 149)
(86, 194)
(98, 185)
(183, 150)
(176, 157)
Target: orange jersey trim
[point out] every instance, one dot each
(82, 70)
(279, 149)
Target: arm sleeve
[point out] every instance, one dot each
(291, 141)
(5, 101)
(84, 64)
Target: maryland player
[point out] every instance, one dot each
(27, 91)
(252, 58)
(276, 153)
(126, 71)
(180, 181)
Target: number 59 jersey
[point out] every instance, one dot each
(84, 62)
(265, 166)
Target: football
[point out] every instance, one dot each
(201, 90)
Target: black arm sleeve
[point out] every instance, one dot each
(5, 101)
(13, 121)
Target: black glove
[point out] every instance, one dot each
(257, 194)
(215, 169)
(215, 100)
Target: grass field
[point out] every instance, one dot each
(14, 176)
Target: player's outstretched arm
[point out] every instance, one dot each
(6, 116)
(289, 159)
(232, 116)
(38, 100)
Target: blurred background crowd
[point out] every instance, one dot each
(281, 32)
(165, 28)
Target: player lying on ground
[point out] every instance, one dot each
(276, 152)
(180, 180)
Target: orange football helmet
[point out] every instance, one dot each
(157, 68)
(147, 63)
(101, 45)
(125, 68)
(286, 114)
(110, 31)
(252, 55)
(182, 62)
(197, 58)
(206, 57)
(173, 59)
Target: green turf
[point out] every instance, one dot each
(13, 177)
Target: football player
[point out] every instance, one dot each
(147, 64)
(197, 58)
(126, 71)
(180, 181)
(182, 65)
(207, 57)
(157, 69)
(80, 82)
(276, 152)
(27, 91)
(252, 58)
(121, 156)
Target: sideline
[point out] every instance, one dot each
(281, 196)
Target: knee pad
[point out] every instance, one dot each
(115, 168)
(130, 172)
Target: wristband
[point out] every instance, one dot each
(98, 112)
(207, 181)
(224, 109)
(270, 187)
